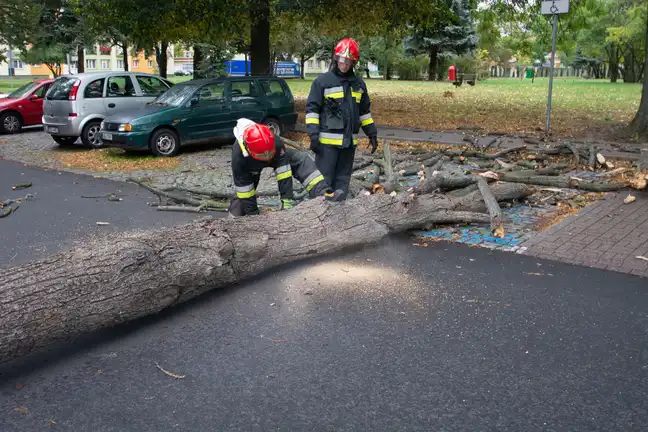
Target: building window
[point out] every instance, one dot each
(187, 54)
(135, 63)
(91, 64)
(311, 64)
(150, 64)
(120, 64)
(105, 64)
(18, 64)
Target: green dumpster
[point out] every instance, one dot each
(529, 73)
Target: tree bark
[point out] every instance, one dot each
(108, 281)
(125, 55)
(81, 59)
(260, 36)
(639, 124)
(161, 54)
(197, 60)
(433, 63)
(302, 63)
(562, 182)
(614, 64)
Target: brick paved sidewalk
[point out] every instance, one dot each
(608, 235)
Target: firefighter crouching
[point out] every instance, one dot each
(256, 148)
(337, 107)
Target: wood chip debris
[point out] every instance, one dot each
(103, 223)
(171, 374)
(641, 257)
(630, 198)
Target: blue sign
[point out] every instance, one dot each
(281, 69)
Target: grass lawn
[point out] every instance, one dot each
(595, 108)
(579, 107)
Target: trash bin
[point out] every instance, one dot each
(529, 73)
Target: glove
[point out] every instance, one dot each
(287, 204)
(315, 145)
(338, 195)
(373, 141)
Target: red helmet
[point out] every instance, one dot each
(347, 51)
(259, 141)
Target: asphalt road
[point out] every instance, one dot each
(58, 216)
(396, 337)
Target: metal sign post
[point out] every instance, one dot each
(553, 7)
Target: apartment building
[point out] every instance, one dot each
(98, 58)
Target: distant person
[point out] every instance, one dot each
(337, 106)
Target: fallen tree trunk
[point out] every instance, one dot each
(563, 182)
(497, 224)
(106, 281)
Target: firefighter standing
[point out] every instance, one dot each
(337, 106)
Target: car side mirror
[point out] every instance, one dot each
(194, 101)
(33, 96)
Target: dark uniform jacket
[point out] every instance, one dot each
(337, 107)
(247, 171)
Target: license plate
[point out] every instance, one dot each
(53, 130)
(106, 136)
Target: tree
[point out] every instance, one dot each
(52, 56)
(291, 35)
(453, 34)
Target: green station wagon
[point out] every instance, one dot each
(201, 110)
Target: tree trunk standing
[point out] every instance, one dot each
(639, 124)
(125, 55)
(161, 56)
(433, 64)
(302, 63)
(81, 59)
(614, 63)
(138, 274)
(260, 36)
(630, 75)
(197, 60)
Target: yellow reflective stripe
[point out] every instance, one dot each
(336, 95)
(357, 96)
(366, 122)
(244, 195)
(355, 141)
(314, 182)
(312, 121)
(284, 175)
(331, 141)
(245, 153)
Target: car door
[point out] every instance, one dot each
(33, 106)
(150, 88)
(209, 112)
(247, 100)
(120, 95)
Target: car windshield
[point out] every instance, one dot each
(22, 91)
(175, 96)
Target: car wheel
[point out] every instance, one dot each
(11, 122)
(90, 135)
(165, 142)
(274, 125)
(64, 140)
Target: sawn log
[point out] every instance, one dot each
(106, 281)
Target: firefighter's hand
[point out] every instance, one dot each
(287, 204)
(373, 141)
(315, 144)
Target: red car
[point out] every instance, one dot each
(24, 106)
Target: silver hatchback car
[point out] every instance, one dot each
(75, 105)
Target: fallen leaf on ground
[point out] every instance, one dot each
(638, 181)
(19, 386)
(171, 374)
(51, 421)
(100, 372)
(23, 410)
(420, 244)
(600, 158)
(629, 199)
(115, 160)
(641, 257)
(536, 274)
